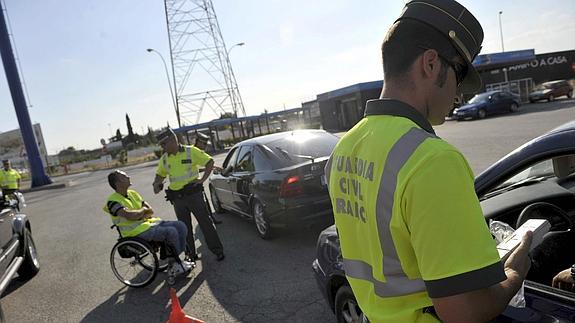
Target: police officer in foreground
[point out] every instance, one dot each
(181, 163)
(415, 244)
(9, 178)
(202, 142)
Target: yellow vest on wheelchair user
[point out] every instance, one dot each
(130, 228)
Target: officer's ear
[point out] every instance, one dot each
(431, 62)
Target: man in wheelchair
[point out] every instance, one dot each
(134, 218)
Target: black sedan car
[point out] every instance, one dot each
(484, 104)
(276, 179)
(17, 248)
(537, 180)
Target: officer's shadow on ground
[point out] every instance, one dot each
(262, 280)
(147, 304)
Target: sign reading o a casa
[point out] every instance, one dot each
(549, 61)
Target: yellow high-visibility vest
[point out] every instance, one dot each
(182, 167)
(9, 179)
(410, 224)
(133, 201)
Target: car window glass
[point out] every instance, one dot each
(231, 158)
(296, 149)
(544, 168)
(261, 159)
(244, 162)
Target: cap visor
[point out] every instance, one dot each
(472, 81)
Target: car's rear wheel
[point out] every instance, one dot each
(31, 266)
(346, 308)
(514, 107)
(215, 200)
(261, 222)
(550, 98)
(481, 114)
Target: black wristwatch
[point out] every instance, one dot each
(573, 271)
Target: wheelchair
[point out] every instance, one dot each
(136, 262)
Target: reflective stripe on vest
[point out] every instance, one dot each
(190, 174)
(397, 283)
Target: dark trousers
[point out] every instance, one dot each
(195, 203)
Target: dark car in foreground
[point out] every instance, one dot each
(488, 103)
(538, 178)
(551, 90)
(17, 248)
(276, 180)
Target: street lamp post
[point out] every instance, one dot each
(501, 31)
(503, 49)
(231, 71)
(172, 94)
(238, 44)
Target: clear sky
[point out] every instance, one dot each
(85, 61)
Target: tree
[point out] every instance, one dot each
(150, 136)
(227, 115)
(130, 131)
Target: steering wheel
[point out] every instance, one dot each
(554, 252)
(559, 220)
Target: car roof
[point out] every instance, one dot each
(555, 142)
(262, 140)
(554, 82)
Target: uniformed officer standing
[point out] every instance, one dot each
(415, 244)
(181, 164)
(202, 142)
(9, 178)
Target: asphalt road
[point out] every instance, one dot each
(259, 281)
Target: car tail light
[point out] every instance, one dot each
(291, 186)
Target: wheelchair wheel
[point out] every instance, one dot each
(134, 262)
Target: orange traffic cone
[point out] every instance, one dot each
(178, 315)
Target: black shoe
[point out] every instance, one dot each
(220, 256)
(216, 221)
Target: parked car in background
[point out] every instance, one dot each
(537, 180)
(484, 104)
(276, 180)
(17, 248)
(551, 90)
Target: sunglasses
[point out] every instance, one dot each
(459, 69)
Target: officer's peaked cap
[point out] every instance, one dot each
(164, 135)
(454, 21)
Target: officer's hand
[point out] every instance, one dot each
(564, 280)
(158, 187)
(519, 262)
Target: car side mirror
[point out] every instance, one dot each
(226, 172)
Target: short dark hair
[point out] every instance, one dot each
(405, 41)
(112, 179)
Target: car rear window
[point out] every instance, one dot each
(298, 148)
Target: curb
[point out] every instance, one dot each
(52, 186)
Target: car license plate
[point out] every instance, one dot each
(323, 181)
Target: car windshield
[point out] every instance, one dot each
(480, 98)
(300, 147)
(537, 171)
